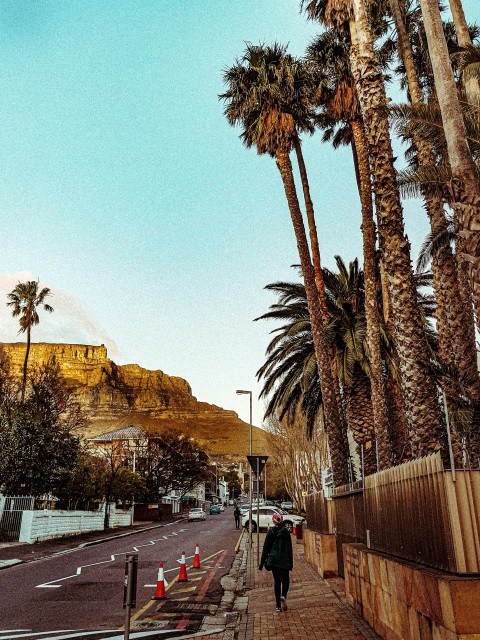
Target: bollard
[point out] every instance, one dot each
(300, 532)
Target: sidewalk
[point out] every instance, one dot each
(317, 608)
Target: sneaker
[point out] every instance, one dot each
(278, 609)
(284, 603)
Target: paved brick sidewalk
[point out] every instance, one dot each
(317, 609)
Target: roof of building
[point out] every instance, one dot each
(125, 433)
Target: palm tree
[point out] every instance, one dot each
(419, 392)
(25, 299)
(265, 89)
(456, 346)
(290, 373)
(471, 83)
(465, 184)
(329, 53)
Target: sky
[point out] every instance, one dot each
(124, 190)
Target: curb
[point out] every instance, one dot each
(234, 602)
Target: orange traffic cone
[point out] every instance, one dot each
(294, 531)
(160, 590)
(182, 576)
(196, 558)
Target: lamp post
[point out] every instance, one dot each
(250, 485)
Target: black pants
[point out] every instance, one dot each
(281, 582)
(237, 522)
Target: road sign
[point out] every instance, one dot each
(257, 463)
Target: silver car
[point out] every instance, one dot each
(196, 514)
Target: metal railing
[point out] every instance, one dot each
(11, 512)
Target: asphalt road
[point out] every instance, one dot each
(79, 594)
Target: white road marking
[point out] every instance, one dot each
(31, 634)
(51, 584)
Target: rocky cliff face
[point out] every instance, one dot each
(116, 396)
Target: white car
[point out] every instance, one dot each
(265, 517)
(196, 514)
(286, 505)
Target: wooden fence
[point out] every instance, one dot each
(417, 511)
(319, 513)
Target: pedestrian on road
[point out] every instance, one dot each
(277, 556)
(236, 515)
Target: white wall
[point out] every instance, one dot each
(46, 525)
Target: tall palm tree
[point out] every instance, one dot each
(418, 388)
(24, 300)
(456, 346)
(465, 183)
(329, 53)
(471, 83)
(264, 90)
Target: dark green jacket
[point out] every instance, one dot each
(277, 549)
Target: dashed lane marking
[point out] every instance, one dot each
(52, 583)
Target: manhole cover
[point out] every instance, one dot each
(151, 624)
(197, 607)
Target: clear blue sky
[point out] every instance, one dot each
(125, 191)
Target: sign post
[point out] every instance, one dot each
(129, 589)
(257, 464)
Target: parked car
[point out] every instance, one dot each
(264, 518)
(286, 504)
(221, 507)
(214, 510)
(196, 514)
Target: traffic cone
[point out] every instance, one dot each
(182, 576)
(160, 590)
(196, 558)
(294, 531)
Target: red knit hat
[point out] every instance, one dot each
(277, 518)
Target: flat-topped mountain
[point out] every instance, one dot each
(115, 396)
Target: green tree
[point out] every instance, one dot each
(39, 448)
(173, 462)
(25, 299)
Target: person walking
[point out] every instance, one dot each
(277, 556)
(236, 515)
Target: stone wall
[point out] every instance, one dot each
(46, 525)
(406, 601)
(321, 552)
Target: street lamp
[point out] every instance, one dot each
(241, 392)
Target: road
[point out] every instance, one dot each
(79, 594)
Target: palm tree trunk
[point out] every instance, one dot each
(360, 419)
(421, 405)
(455, 338)
(336, 435)
(472, 86)
(465, 184)
(396, 411)
(25, 365)
(317, 268)
(379, 402)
